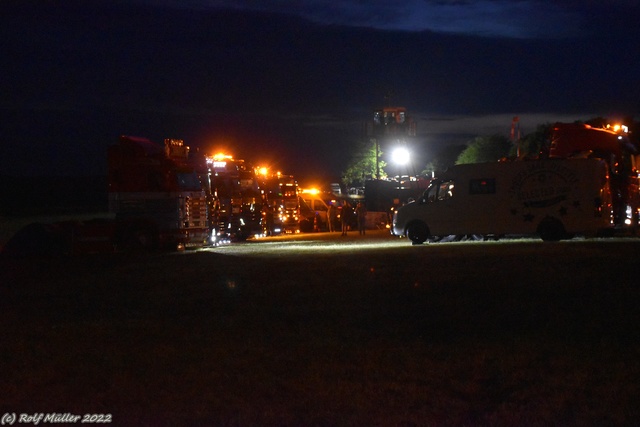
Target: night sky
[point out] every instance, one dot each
(290, 83)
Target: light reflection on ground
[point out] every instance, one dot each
(331, 243)
(317, 242)
(382, 241)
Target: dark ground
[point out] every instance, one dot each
(329, 331)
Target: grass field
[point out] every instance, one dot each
(507, 333)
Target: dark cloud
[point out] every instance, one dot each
(496, 18)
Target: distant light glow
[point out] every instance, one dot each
(313, 191)
(400, 156)
(222, 156)
(618, 128)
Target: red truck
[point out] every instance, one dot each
(156, 194)
(237, 198)
(612, 144)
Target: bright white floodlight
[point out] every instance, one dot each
(400, 156)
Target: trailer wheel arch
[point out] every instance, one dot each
(418, 232)
(551, 229)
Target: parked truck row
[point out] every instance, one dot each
(167, 197)
(179, 199)
(586, 182)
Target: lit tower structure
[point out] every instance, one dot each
(390, 124)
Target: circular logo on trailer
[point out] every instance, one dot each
(543, 186)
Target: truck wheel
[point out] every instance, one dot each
(551, 230)
(418, 232)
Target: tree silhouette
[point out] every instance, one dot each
(485, 149)
(532, 144)
(363, 165)
(444, 159)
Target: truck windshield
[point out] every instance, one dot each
(291, 204)
(446, 190)
(432, 191)
(189, 181)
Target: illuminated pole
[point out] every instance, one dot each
(377, 160)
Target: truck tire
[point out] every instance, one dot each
(551, 230)
(417, 232)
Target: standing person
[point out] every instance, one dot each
(361, 213)
(345, 216)
(267, 212)
(331, 215)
